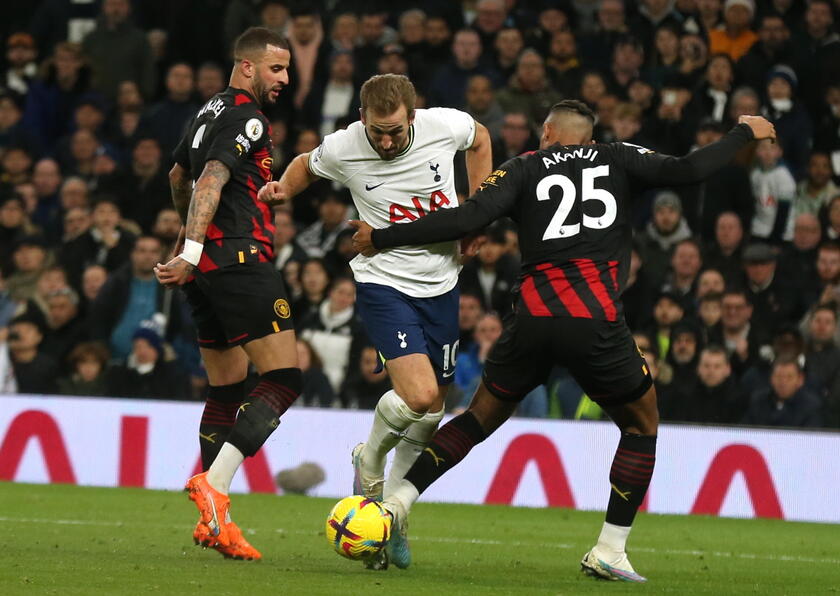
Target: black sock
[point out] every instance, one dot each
(218, 418)
(449, 446)
(630, 475)
(260, 413)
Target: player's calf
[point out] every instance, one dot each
(260, 413)
(218, 418)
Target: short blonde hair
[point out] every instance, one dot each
(384, 94)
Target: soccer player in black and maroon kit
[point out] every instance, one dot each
(238, 299)
(571, 200)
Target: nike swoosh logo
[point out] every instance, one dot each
(447, 375)
(369, 187)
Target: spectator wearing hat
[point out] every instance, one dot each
(773, 301)
(788, 402)
(666, 228)
(88, 365)
(773, 47)
(774, 189)
(793, 124)
(818, 53)
(319, 238)
(35, 372)
(22, 68)
(736, 37)
(118, 50)
(146, 373)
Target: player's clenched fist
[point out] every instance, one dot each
(761, 128)
(271, 194)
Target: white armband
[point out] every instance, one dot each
(192, 252)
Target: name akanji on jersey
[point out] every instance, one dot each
(231, 128)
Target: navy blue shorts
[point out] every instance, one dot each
(398, 324)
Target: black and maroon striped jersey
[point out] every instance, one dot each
(572, 206)
(231, 129)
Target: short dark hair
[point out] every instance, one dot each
(786, 360)
(255, 39)
(576, 107)
(715, 349)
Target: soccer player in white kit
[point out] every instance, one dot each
(397, 163)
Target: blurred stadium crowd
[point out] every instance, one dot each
(734, 291)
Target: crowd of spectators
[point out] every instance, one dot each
(734, 288)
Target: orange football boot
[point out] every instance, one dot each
(213, 507)
(239, 548)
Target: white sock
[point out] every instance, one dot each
(391, 417)
(224, 467)
(613, 538)
(412, 445)
(403, 495)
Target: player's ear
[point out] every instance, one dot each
(411, 117)
(247, 68)
(362, 115)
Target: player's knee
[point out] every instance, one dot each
(421, 398)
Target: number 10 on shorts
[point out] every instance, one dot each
(450, 355)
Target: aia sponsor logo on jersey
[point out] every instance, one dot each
(402, 213)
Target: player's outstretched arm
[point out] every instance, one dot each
(293, 181)
(203, 205)
(698, 165)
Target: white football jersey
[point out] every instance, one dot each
(416, 182)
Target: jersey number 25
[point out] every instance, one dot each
(557, 227)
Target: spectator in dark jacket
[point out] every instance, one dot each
(793, 124)
(788, 402)
(118, 50)
(130, 296)
(366, 385)
(317, 391)
(145, 373)
(449, 85)
(65, 326)
(773, 47)
(106, 243)
(35, 372)
(88, 364)
(492, 274)
(167, 118)
(665, 230)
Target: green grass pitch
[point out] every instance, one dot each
(70, 540)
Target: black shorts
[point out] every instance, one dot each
(234, 305)
(601, 356)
